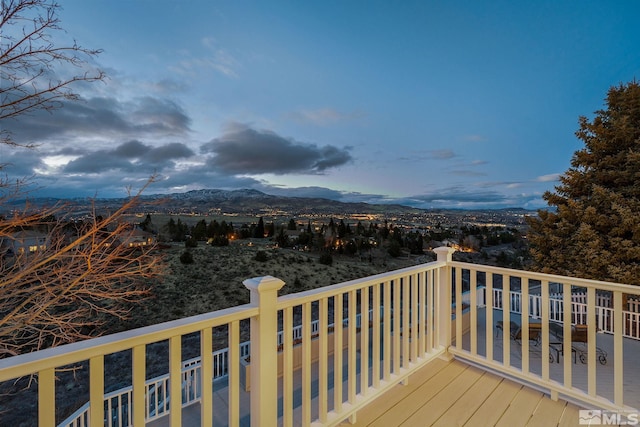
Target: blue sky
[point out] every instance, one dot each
(431, 104)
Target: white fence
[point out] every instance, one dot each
(118, 402)
(409, 314)
(604, 310)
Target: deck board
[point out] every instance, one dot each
(446, 397)
(456, 394)
(495, 405)
(547, 413)
(425, 392)
(521, 408)
(463, 408)
(397, 394)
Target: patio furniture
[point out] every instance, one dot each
(579, 341)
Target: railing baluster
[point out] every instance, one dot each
(567, 316)
(416, 328)
(488, 278)
(473, 310)
(406, 327)
(138, 383)
(386, 339)
(287, 368)
(506, 320)
(524, 289)
(352, 351)
(306, 363)
(376, 336)
(175, 384)
(397, 315)
(47, 398)
(234, 373)
(206, 375)
(591, 340)
(96, 391)
(429, 302)
(618, 350)
(323, 354)
(458, 306)
(338, 327)
(545, 330)
(364, 341)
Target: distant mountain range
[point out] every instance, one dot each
(245, 201)
(251, 203)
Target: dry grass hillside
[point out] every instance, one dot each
(214, 280)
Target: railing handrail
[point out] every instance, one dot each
(552, 278)
(28, 363)
(331, 290)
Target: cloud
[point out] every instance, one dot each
(324, 116)
(462, 172)
(243, 150)
(104, 117)
(443, 154)
(128, 157)
(314, 192)
(549, 178)
(215, 58)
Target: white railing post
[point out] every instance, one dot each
(264, 350)
(443, 302)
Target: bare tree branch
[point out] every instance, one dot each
(77, 284)
(32, 67)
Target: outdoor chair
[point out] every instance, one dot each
(579, 341)
(579, 337)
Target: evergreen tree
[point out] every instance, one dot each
(595, 230)
(282, 239)
(147, 225)
(342, 229)
(259, 230)
(199, 231)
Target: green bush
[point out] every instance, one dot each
(261, 256)
(186, 258)
(326, 258)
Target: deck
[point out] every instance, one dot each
(455, 393)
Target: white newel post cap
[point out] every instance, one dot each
(260, 285)
(444, 253)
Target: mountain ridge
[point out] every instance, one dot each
(241, 201)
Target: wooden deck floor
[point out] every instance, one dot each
(456, 394)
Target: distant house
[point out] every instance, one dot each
(136, 238)
(23, 242)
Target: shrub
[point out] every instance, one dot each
(186, 258)
(326, 258)
(261, 256)
(190, 243)
(394, 249)
(219, 241)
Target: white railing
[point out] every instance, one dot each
(547, 314)
(603, 306)
(117, 403)
(409, 323)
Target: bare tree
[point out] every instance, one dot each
(82, 278)
(35, 73)
(72, 285)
